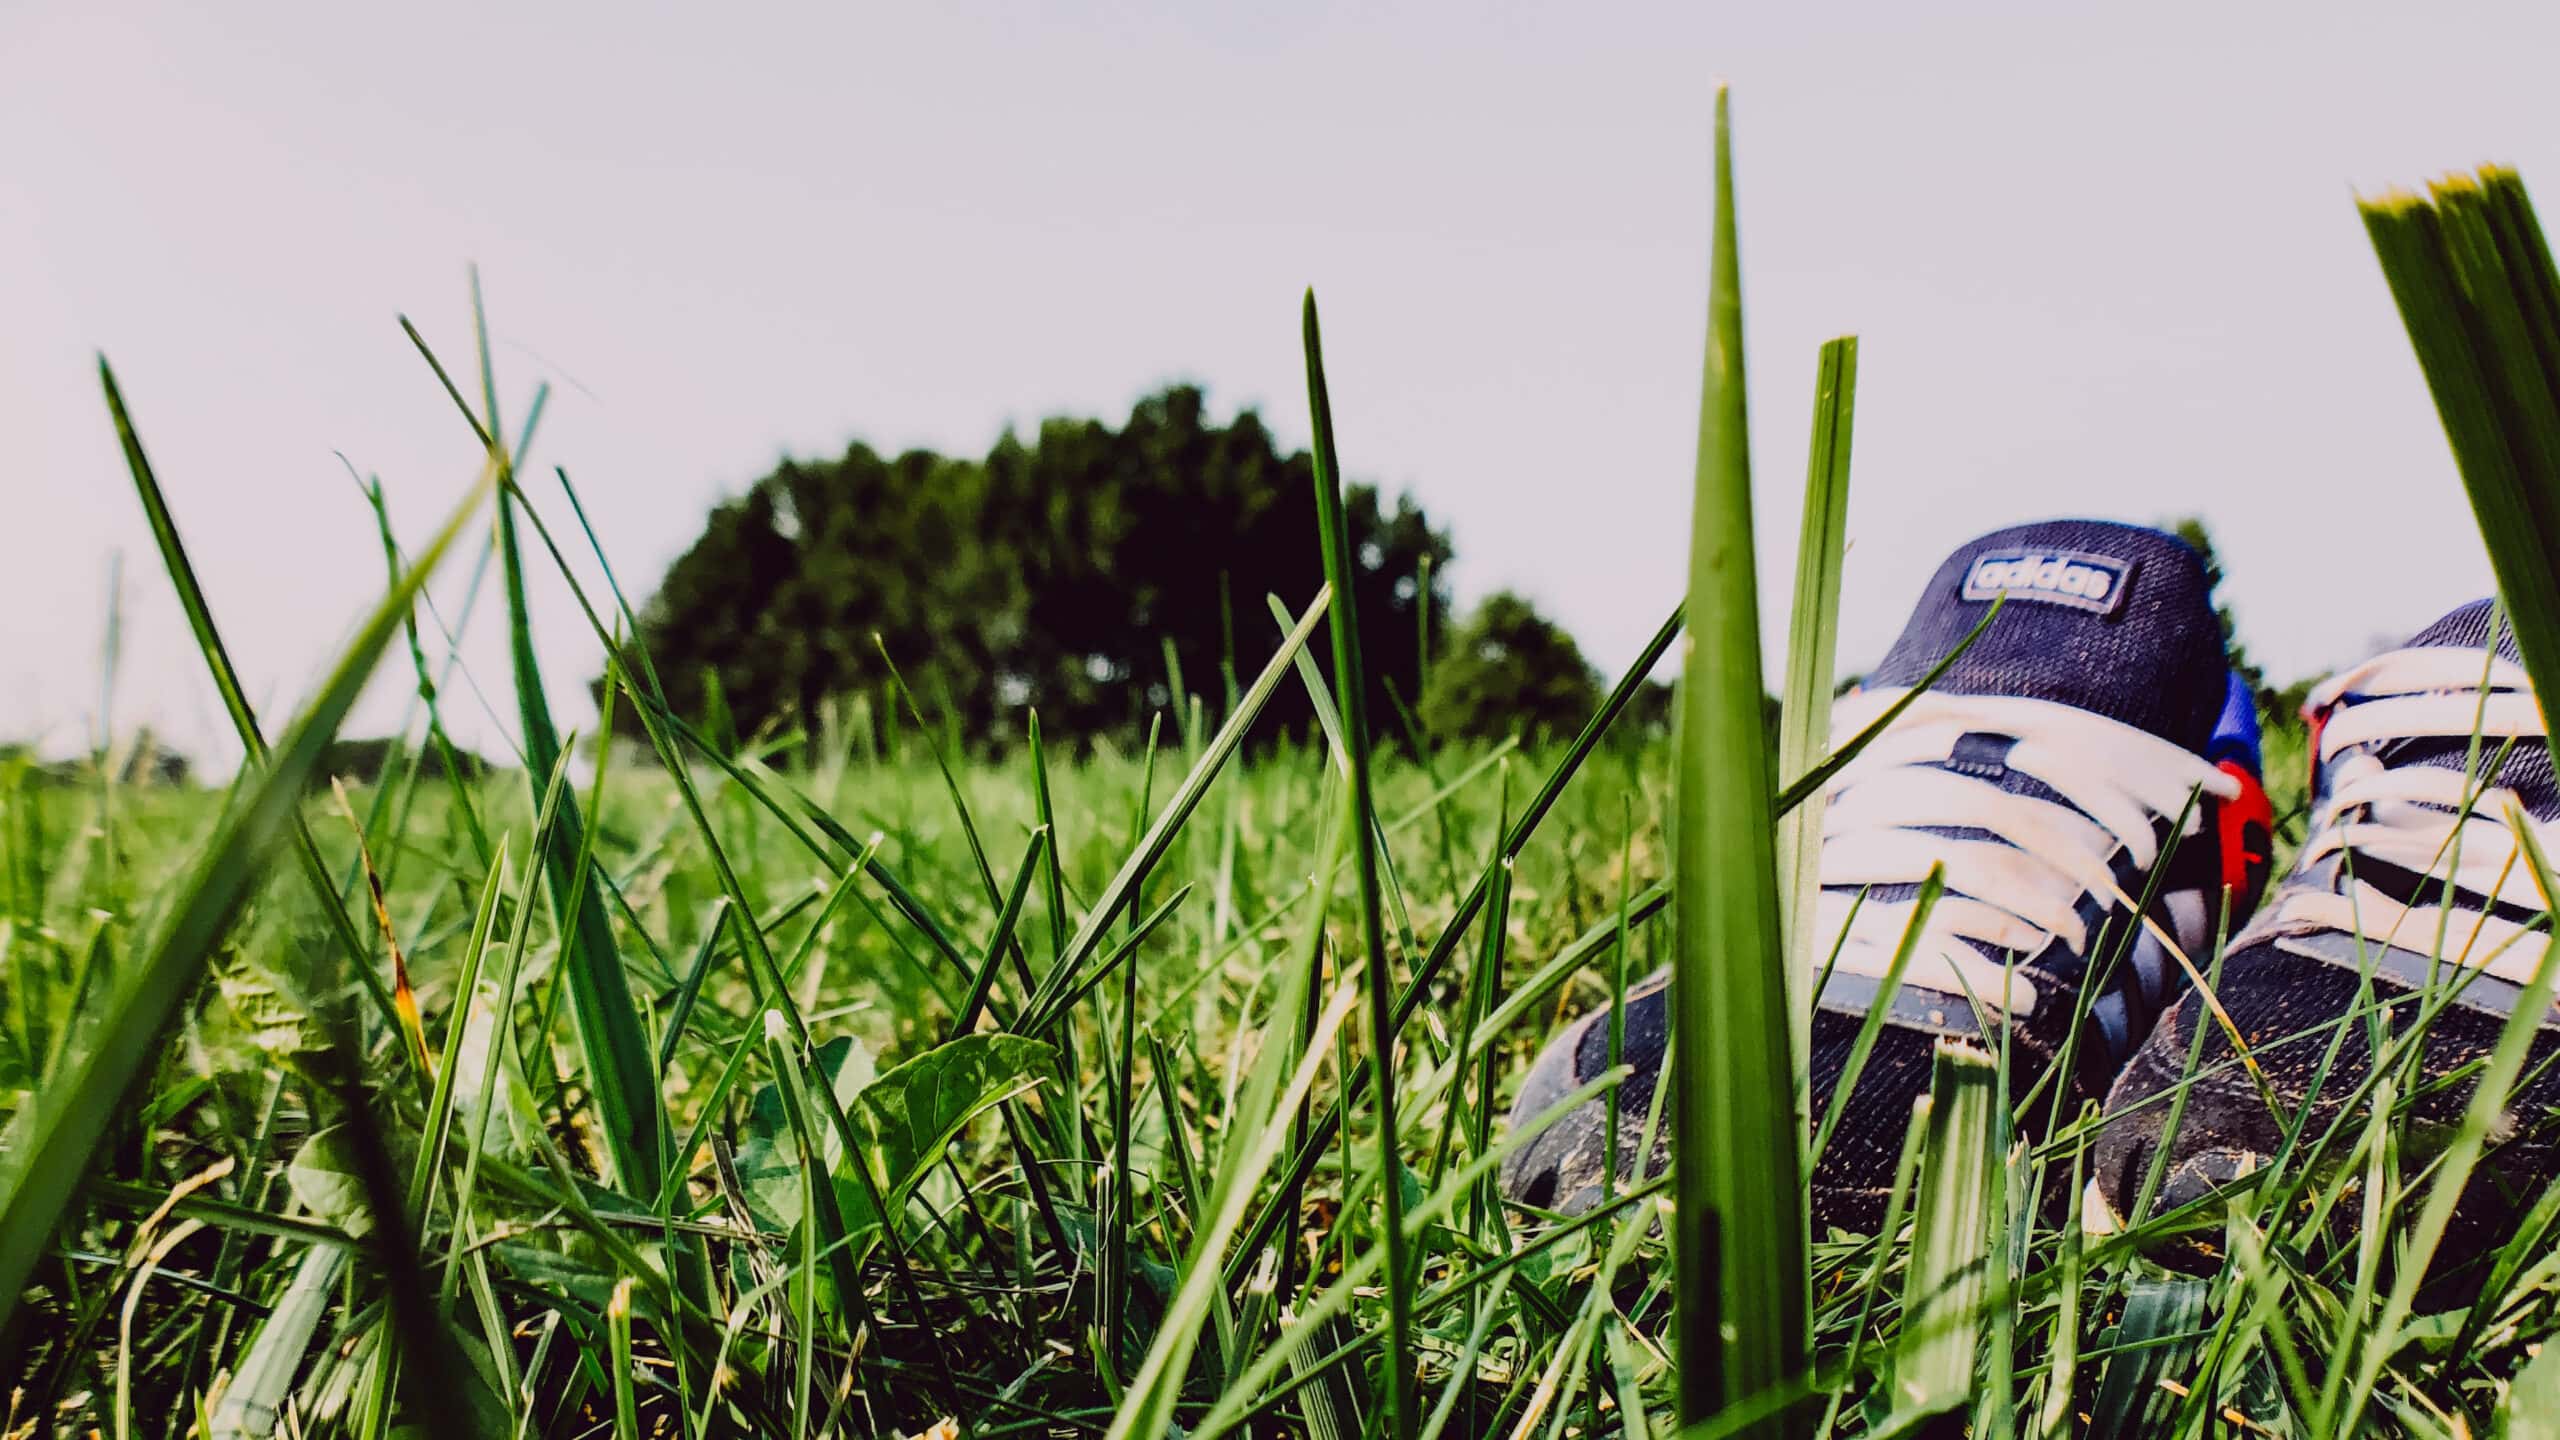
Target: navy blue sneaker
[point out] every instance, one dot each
(2046, 771)
(2410, 882)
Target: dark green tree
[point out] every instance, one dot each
(1073, 572)
(2191, 528)
(364, 760)
(1509, 670)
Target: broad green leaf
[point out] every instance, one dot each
(768, 1160)
(906, 1117)
(323, 1177)
(2531, 1410)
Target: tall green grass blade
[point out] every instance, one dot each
(689, 994)
(1618, 961)
(1931, 886)
(1052, 872)
(173, 551)
(424, 1363)
(621, 1070)
(2485, 1115)
(1487, 994)
(1148, 1410)
(1952, 1240)
(1328, 1401)
(621, 1074)
(1186, 796)
(226, 681)
(1809, 784)
(2010, 1228)
(1000, 940)
(2475, 286)
(1329, 721)
(255, 1398)
(626, 1402)
(440, 1101)
(1054, 881)
(456, 777)
(1813, 629)
(1482, 984)
(1350, 683)
(1631, 682)
(2161, 1313)
(74, 1114)
(951, 787)
(2474, 281)
(1740, 1250)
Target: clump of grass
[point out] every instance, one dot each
(2476, 287)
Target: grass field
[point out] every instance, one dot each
(997, 1315)
(240, 1085)
(1141, 1094)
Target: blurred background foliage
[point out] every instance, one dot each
(1096, 574)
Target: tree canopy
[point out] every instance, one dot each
(1077, 573)
(1509, 670)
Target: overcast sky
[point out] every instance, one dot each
(2102, 262)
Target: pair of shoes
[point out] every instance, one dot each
(2087, 773)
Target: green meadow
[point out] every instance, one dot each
(849, 1080)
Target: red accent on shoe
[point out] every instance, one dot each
(2234, 817)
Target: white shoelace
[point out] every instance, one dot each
(2427, 819)
(2019, 892)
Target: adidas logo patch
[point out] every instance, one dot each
(2094, 583)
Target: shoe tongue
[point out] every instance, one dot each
(2527, 770)
(2114, 619)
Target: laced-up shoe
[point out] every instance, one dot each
(2046, 770)
(2409, 924)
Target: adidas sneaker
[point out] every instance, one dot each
(2046, 771)
(2410, 881)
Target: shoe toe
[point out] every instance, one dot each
(1561, 1162)
(2202, 1173)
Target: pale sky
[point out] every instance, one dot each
(2102, 262)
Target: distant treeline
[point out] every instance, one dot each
(364, 761)
(1097, 575)
(139, 760)
(1102, 576)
